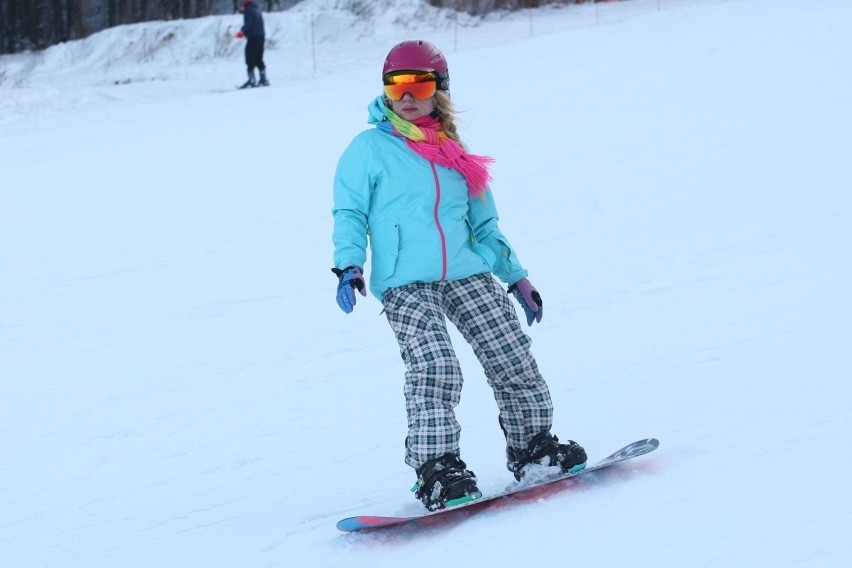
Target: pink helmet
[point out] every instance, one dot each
(418, 55)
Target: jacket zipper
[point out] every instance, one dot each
(438, 223)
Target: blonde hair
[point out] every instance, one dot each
(446, 114)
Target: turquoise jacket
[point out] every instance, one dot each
(421, 224)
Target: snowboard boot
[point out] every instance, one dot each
(251, 81)
(445, 482)
(263, 81)
(545, 450)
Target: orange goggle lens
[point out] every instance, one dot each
(420, 85)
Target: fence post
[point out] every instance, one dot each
(456, 26)
(313, 45)
(530, 10)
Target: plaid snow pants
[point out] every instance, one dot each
(483, 313)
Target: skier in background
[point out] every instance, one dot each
(410, 188)
(255, 36)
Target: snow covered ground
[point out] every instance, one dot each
(178, 387)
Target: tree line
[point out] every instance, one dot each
(37, 24)
(482, 7)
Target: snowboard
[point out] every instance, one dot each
(238, 88)
(521, 492)
(249, 87)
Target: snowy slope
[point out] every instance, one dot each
(180, 389)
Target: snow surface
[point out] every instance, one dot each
(178, 387)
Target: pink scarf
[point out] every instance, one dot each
(427, 139)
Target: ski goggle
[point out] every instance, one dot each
(420, 85)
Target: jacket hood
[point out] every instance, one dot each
(376, 109)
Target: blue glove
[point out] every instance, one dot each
(350, 279)
(529, 298)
